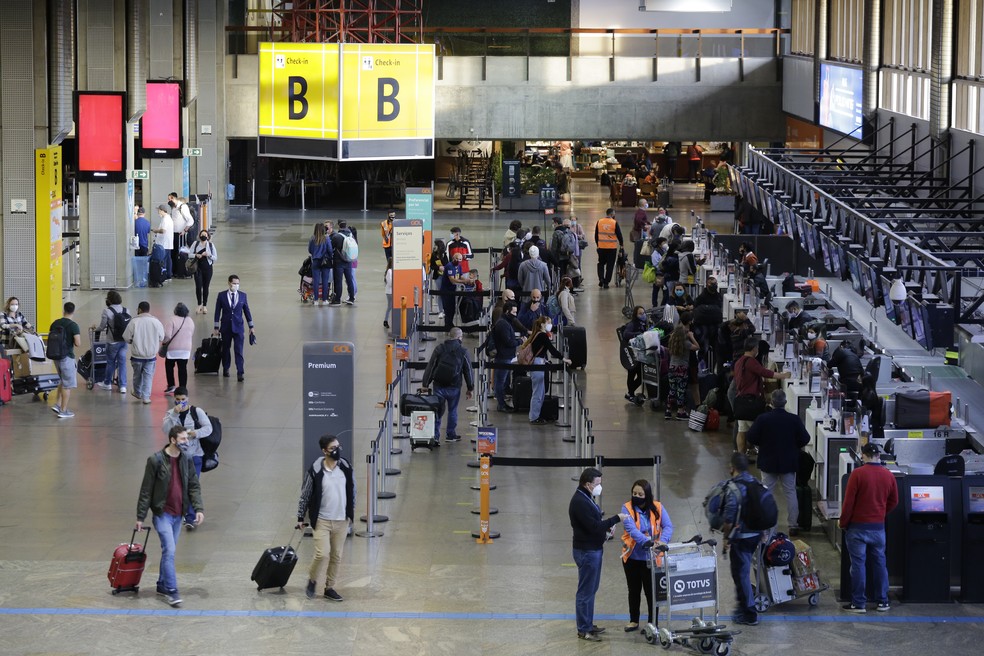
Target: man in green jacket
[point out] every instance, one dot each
(169, 488)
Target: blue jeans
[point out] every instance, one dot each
(115, 362)
(168, 530)
(451, 396)
(536, 401)
(344, 269)
(863, 543)
(168, 264)
(320, 279)
(143, 376)
(741, 553)
(192, 515)
(588, 579)
(501, 376)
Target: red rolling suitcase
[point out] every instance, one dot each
(6, 386)
(127, 565)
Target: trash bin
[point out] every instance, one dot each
(141, 269)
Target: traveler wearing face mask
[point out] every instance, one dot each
(708, 313)
(796, 317)
(454, 274)
(203, 251)
(540, 340)
(647, 523)
(186, 416)
(815, 343)
(458, 244)
(590, 532)
(681, 299)
(634, 328)
(169, 489)
(12, 321)
(230, 309)
(328, 501)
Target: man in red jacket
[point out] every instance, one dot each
(871, 494)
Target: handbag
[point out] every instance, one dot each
(162, 351)
(749, 406)
(635, 235)
(649, 273)
(647, 248)
(191, 266)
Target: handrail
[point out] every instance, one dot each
(639, 31)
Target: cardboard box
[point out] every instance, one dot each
(808, 583)
(804, 563)
(25, 366)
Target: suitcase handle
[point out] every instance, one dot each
(134, 537)
(297, 528)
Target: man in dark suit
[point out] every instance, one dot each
(230, 308)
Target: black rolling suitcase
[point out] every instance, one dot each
(706, 382)
(275, 566)
(522, 392)
(576, 341)
(208, 357)
(181, 265)
(550, 410)
(804, 498)
(40, 385)
(422, 401)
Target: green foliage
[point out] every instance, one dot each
(533, 177)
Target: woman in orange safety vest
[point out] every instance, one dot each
(648, 523)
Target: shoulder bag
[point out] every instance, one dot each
(162, 351)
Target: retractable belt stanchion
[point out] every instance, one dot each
(387, 450)
(563, 419)
(485, 535)
(573, 412)
(387, 399)
(388, 415)
(404, 387)
(382, 492)
(371, 518)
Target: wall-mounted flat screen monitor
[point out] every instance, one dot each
(905, 317)
(855, 270)
(866, 277)
(889, 305)
(841, 99)
(917, 310)
(99, 136)
(811, 239)
(825, 248)
(160, 126)
(836, 257)
(975, 500)
(875, 287)
(926, 499)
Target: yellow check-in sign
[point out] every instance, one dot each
(298, 94)
(388, 91)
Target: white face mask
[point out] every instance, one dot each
(14, 308)
(596, 492)
(548, 327)
(811, 335)
(234, 286)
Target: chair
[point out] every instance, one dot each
(952, 465)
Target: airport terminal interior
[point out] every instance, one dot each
(842, 164)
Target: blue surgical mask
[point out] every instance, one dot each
(184, 446)
(181, 404)
(679, 292)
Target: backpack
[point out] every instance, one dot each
(760, 512)
(120, 321)
(57, 342)
(350, 248)
(780, 551)
(717, 500)
(553, 307)
(210, 444)
(568, 244)
(446, 369)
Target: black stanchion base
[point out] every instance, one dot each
(367, 534)
(492, 511)
(378, 519)
(493, 535)
(428, 338)
(570, 440)
(392, 471)
(395, 451)
(474, 464)
(386, 495)
(401, 437)
(479, 487)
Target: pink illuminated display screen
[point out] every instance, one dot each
(160, 126)
(99, 133)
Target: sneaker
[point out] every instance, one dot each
(104, 386)
(161, 591)
(56, 409)
(331, 594)
(506, 408)
(335, 304)
(851, 608)
(309, 590)
(453, 438)
(190, 526)
(639, 401)
(66, 414)
(539, 421)
(667, 415)
(173, 599)
(883, 607)
(746, 620)
(170, 391)
(597, 629)
(146, 400)
(350, 301)
(591, 637)
(386, 325)
(122, 390)
(683, 416)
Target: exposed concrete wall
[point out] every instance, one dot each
(718, 108)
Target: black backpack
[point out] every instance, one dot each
(446, 370)
(120, 321)
(759, 511)
(209, 444)
(57, 342)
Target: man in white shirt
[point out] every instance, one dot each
(164, 236)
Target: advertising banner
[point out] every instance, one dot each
(407, 271)
(328, 402)
(420, 206)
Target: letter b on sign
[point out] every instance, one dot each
(387, 99)
(296, 90)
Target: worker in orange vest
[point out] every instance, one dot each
(386, 230)
(608, 239)
(647, 523)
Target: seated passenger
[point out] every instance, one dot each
(13, 322)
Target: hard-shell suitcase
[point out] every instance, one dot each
(275, 566)
(550, 410)
(41, 384)
(208, 357)
(127, 564)
(6, 384)
(576, 341)
(181, 265)
(522, 392)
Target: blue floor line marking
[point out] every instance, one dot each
(481, 616)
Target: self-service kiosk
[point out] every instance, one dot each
(972, 570)
(929, 511)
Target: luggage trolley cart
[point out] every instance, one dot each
(92, 365)
(685, 577)
(774, 583)
(631, 275)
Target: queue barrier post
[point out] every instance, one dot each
(386, 450)
(485, 535)
(563, 420)
(389, 377)
(369, 518)
(388, 417)
(382, 492)
(403, 317)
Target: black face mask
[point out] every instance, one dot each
(171, 203)
(204, 237)
(335, 453)
(712, 288)
(638, 503)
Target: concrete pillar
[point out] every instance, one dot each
(212, 170)
(23, 100)
(104, 221)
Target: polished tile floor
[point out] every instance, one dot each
(68, 489)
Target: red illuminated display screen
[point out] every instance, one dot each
(99, 132)
(160, 126)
